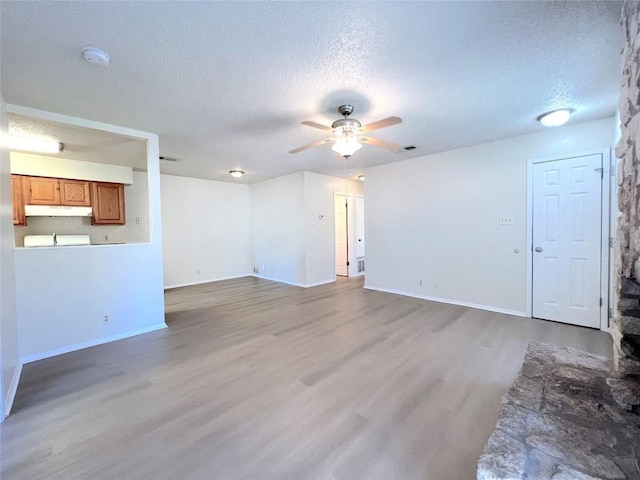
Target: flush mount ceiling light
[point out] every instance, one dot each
(236, 173)
(35, 145)
(96, 56)
(361, 178)
(555, 118)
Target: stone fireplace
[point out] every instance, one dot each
(626, 318)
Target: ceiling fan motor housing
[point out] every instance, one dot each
(346, 123)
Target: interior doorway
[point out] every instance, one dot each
(568, 233)
(341, 216)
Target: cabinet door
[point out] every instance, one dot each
(18, 204)
(75, 193)
(108, 203)
(42, 191)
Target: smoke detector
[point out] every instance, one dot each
(96, 56)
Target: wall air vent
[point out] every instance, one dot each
(168, 159)
(360, 266)
(409, 147)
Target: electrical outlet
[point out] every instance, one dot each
(138, 220)
(263, 268)
(436, 285)
(105, 238)
(256, 270)
(419, 282)
(197, 272)
(105, 319)
(506, 220)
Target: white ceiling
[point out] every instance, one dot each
(226, 84)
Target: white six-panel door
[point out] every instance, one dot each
(567, 236)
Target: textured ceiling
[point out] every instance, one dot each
(226, 84)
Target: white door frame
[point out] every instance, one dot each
(606, 210)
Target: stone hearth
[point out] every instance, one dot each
(562, 420)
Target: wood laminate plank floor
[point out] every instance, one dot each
(258, 380)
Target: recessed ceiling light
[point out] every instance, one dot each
(236, 173)
(555, 118)
(35, 145)
(96, 56)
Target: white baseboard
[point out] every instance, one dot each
(200, 282)
(91, 343)
(263, 277)
(325, 282)
(489, 308)
(11, 394)
(301, 285)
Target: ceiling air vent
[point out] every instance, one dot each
(409, 147)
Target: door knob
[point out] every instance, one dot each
(538, 249)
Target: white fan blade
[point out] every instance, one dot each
(319, 126)
(385, 122)
(311, 145)
(394, 147)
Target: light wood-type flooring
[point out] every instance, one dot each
(259, 380)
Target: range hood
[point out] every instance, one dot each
(57, 211)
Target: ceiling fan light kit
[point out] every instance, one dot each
(346, 144)
(349, 138)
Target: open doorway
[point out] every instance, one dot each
(341, 216)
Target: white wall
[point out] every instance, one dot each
(62, 293)
(10, 365)
(41, 166)
(289, 241)
(435, 218)
(319, 229)
(278, 236)
(206, 230)
(136, 202)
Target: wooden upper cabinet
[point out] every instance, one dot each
(56, 191)
(75, 193)
(107, 199)
(42, 191)
(18, 203)
(108, 203)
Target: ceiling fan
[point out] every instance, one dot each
(349, 133)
